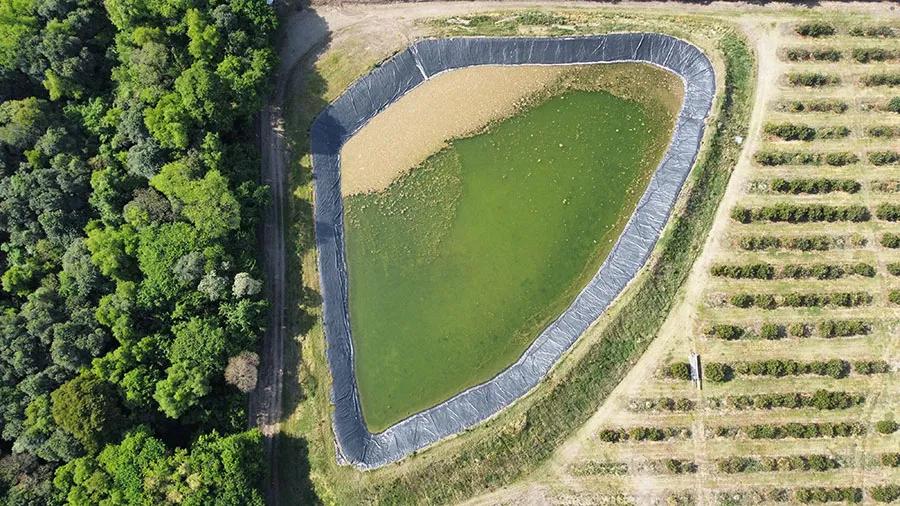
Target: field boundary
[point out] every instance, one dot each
(408, 69)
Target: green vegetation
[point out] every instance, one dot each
(820, 399)
(815, 29)
(829, 105)
(762, 270)
(818, 463)
(795, 132)
(796, 54)
(800, 213)
(879, 31)
(884, 79)
(812, 79)
(870, 54)
(837, 159)
(457, 267)
(771, 301)
(800, 242)
(850, 495)
(129, 203)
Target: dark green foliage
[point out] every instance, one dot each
(893, 105)
(894, 296)
(890, 459)
(802, 243)
(884, 157)
(749, 271)
(644, 434)
(819, 54)
(884, 79)
(812, 79)
(817, 105)
(768, 301)
(830, 494)
(835, 368)
(894, 268)
(843, 328)
(889, 240)
(790, 131)
(772, 158)
(888, 212)
(870, 54)
(885, 493)
(817, 463)
(883, 132)
(770, 331)
(813, 186)
(886, 427)
(679, 370)
(821, 399)
(841, 158)
(724, 331)
(871, 367)
(815, 29)
(127, 167)
(800, 213)
(879, 31)
(805, 430)
(716, 372)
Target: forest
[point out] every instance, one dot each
(131, 300)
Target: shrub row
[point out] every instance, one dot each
(836, 159)
(762, 270)
(801, 242)
(800, 132)
(816, 105)
(812, 54)
(888, 186)
(890, 459)
(770, 301)
(826, 329)
(870, 54)
(889, 240)
(644, 434)
(893, 105)
(885, 493)
(884, 157)
(894, 297)
(886, 427)
(667, 404)
(819, 463)
(843, 328)
(836, 368)
(874, 31)
(821, 399)
(800, 213)
(814, 185)
(813, 79)
(894, 268)
(871, 367)
(828, 494)
(883, 131)
(883, 79)
(814, 29)
(805, 430)
(888, 212)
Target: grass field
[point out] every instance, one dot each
(456, 268)
(523, 438)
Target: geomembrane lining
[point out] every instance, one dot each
(384, 86)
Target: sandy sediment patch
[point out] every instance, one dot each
(451, 105)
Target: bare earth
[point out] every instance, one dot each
(451, 105)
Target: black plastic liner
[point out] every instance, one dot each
(387, 84)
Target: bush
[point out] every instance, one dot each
(750, 271)
(882, 131)
(890, 459)
(889, 240)
(871, 367)
(842, 328)
(883, 79)
(770, 331)
(798, 330)
(824, 495)
(716, 372)
(873, 31)
(812, 79)
(884, 157)
(893, 105)
(741, 300)
(886, 427)
(814, 186)
(814, 29)
(888, 212)
(611, 435)
(790, 132)
(804, 430)
(725, 332)
(885, 493)
(894, 268)
(894, 297)
(841, 158)
(820, 105)
(732, 465)
(800, 213)
(869, 54)
(802, 243)
(679, 370)
(772, 158)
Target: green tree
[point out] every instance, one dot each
(88, 408)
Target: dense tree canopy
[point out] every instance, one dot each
(129, 204)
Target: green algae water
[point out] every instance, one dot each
(460, 264)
